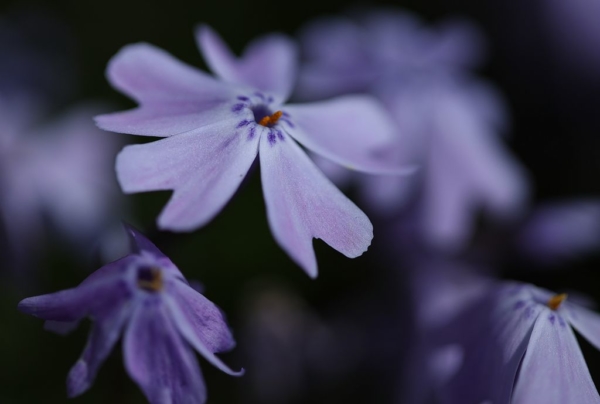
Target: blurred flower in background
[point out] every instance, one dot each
(55, 167)
(441, 309)
(447, 121)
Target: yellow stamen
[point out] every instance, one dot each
(555, 301)
(154, 283)
(270, 120)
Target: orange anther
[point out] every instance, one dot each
(270, 120)
(154, 283)
(555, 301)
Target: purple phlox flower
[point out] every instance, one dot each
(557, 231)
(346, 55)
(58, 169)
(163, 320)
(519, 347)
(214, 129)
(447, 123)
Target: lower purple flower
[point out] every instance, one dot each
(519, 347)
(144, 296)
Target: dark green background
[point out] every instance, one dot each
(555, 135)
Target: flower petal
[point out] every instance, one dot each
(302, 203)
(561, 230)
(204, 168)
(203, 317)
(158, 359)
(268, 64)
(353, 131)
(108, 324)
(467, 168)
(189, 333)
(494, 333)
(139, 242)
(585, 321)
(553, 369)
(91, 296)
(174, 97)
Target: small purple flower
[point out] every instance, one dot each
(144, 296)
(214, 130)
(519, 347)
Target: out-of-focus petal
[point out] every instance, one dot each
(302, 204)
(268, 64)
(204, 168)
(467, 169)
(93, 295)
(159, 360)
(553, 369)
(188, 331)
(585, 321)
(353, 131)
(203, 317)
(558, 231)
(108, 324)
(458, 44)
(174, 97)
(494, 333)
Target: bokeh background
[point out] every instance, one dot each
(344, 337)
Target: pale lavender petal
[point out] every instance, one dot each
(204, 168)
(494, 333)
(164, 119)
(387, 194)
(337, 60)
(468, 169)
(585, 321)
(91, 296)
(106, 330)
(73, 164)
(302, 204)
(558, 231)
(203, 317)
(340, 176)
(174, 97)
(333, 41)
(353, 131)
(188, 331)
(268, 64)
(553, 369)
(158, 358)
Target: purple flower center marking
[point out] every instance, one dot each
(150, 279)
(555, 301)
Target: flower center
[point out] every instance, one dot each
(150, 279)
(555, 301)
(264, 117)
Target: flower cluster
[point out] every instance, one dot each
(390, 106)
